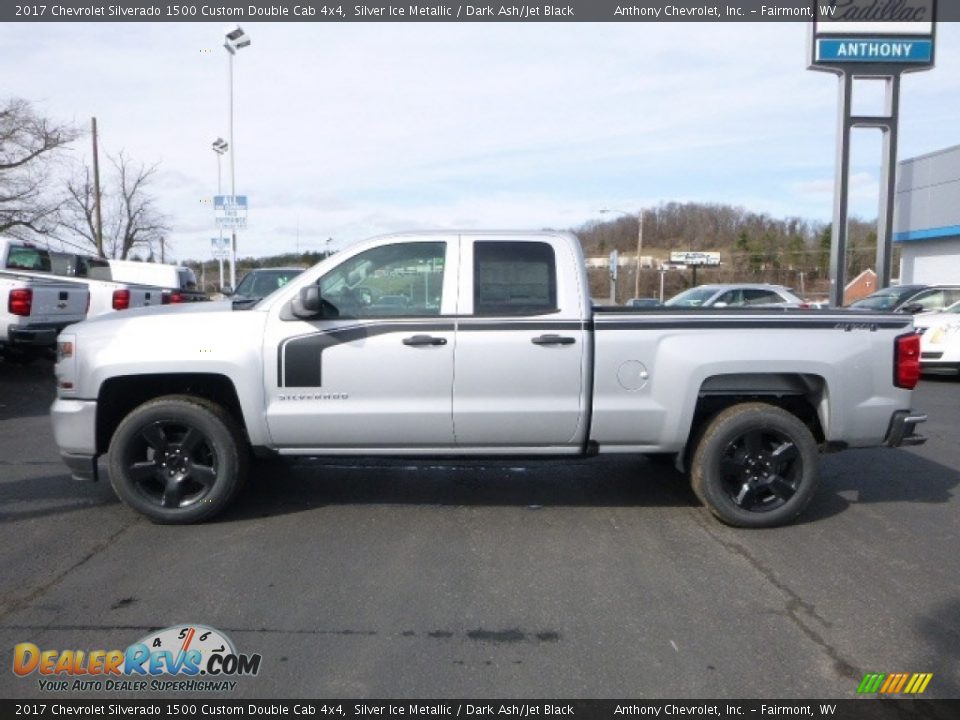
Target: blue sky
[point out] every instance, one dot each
(349, 130)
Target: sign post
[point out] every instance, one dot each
(221, 251)
(695, 259)
(860, 39)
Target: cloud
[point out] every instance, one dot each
(345, 130)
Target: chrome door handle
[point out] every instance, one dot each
(418, 340)
(553, 340)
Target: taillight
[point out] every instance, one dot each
(121, 299)
(906, 361)
(176, 297)
(20, 301)
(804, 306)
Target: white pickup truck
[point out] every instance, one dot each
(34, 311)
(476, 344)
(94, 273)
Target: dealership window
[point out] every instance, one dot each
(514, 278)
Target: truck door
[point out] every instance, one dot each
(520, 359)
(377, 370)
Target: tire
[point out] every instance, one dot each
(755, 466)
(178, 459)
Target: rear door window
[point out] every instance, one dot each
(514, 278)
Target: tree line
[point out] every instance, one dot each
(754, 247)
(47, 193)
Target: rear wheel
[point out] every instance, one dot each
(756, 465)
(177, 459)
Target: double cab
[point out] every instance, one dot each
(495, 350)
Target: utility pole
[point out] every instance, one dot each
(96, 188)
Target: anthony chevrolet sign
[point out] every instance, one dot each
(877, 33)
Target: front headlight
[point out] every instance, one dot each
(66, 368)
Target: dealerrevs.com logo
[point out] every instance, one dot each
(183, 658)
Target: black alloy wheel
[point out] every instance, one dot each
(172, 464)
(178, 459)
(755, 465)
(761, 470)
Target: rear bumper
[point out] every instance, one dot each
(903, 429)
(35, 335)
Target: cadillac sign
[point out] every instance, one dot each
(867, 36)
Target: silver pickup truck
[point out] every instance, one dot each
(93, 273)
(34, 311)
(476, 344)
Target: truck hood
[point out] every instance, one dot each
(169, 326)
(191, 309)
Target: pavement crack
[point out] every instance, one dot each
(799, 611)
(7, 608)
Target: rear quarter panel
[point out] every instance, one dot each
(852, 355)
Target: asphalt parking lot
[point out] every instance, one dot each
(599, 578)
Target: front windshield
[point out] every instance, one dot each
(261, 283)
(694, 297)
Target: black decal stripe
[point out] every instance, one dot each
(300, 359)
(534, 325)
(748, 324)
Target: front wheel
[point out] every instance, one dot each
(177, 459)
(756, 465)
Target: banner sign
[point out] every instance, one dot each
(230, 211)
(857, 50)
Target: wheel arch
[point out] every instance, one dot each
(118, 396)
(802, 394)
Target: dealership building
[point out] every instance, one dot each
(927, 218)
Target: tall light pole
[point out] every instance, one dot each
(234, 39)
(220, 146)
(639, 216)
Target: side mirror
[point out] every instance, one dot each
(226, 290)
(913, 308)
(308, 303)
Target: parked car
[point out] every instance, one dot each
(736, 295)
(499, 353)
(909, 298)
(259, 283)
(940, 339)
(644, 302)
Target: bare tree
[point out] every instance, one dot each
(29, 144)
(131, 220)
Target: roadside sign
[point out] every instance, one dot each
(866, 34)
(690, 257)
(230, 211)
(220, 247)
